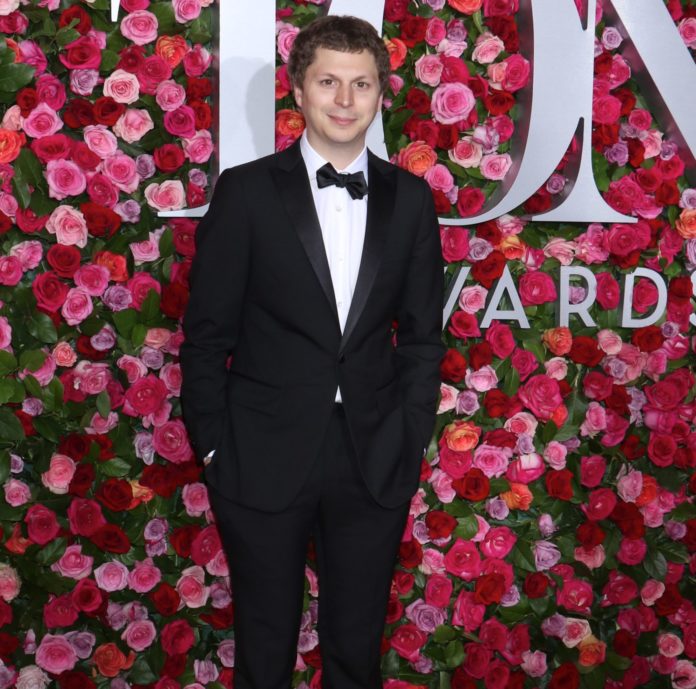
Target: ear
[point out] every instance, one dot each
(297, 94)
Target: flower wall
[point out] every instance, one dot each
(552, 541)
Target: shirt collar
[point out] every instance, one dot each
(313, 161)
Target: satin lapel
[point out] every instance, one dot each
(293, 187)
(380, 206)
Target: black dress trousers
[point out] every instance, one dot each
(356, 543)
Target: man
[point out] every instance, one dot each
(319, 425)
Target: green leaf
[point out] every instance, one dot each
(48, 428)
(165, 17)
(684, 512)
(103, 404)
(41, 327)
(467, 528)
(109, 60)
(4, 465)
(8, 390)
(10, 428)
(125, 320)
(51, 552)
(444, 634)
(13, 77)
(115, 467)
(66, 35)
(138, 334)
(454, 654)
(141, 672)
(32, 359)
(8, 362)
(151, 306)
(655, 564)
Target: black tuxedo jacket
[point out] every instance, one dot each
(261, 292)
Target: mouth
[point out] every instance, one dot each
(341, 121)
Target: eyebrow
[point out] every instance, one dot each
(333, 76)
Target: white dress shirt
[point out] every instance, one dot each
(342, 220)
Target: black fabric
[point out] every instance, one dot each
(356, 543)
(263, 350)
(354, 182)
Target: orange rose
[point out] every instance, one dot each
(140, 494)
(686, 225)
(560, 415)
(110, 660)
(10, 145)
(114, 263)
(466, 6)
(558, 340)
(290, 123)
(14, 47)
(648, 492)
(418, 157)
(171, 49)
(592, 651)
(461, 436)
(513, 247)
(519, 497)
(397, 52)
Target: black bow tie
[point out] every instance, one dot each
(354, 183)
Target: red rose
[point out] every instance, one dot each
(539, 202)
(625, 643)
(85, 517)
(447, 136)
(182, 538)
(42, 525)
(590, 534)
(499, 102)
(585, 350)
(410, 554)
(413, 30)
(101, 221)
(499, 8)
(597, 386)
(116, 494)
(27, 99)
(500, 438)
(418, 101)
(206, 545)
(175, 665)
(535, 585)
(111, 538)
(145, 396)
(28, 221)
(82, 480)
(559, 484)
(131, 58)
(489, 588)
(496, 403)
(197, 88)
(670, 601)
(473, 486)
(169, 157)
(220, 618)
(84, 21)
(84, 157)
(165, 598)
(60, 611)
(565, 676)
(490, 269)
(661, 449)
(160, 479)
(628, 519)
(480, 354)
(73, 679)
(107, 111)
(395, 10)
(453, 366)
(470, 201)
(440, 524)
(49, 291)
(174, 299)
(460, 679)
(477, 659)
(177, 637)
(52, 147)
(86, 596)
(9, 643)
(408, 640)
(78, 113)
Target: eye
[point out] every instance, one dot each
(363, 84)
(326, 82)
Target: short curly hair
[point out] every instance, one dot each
(343, 33)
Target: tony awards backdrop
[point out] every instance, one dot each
(552, 541)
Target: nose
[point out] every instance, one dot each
(344, 95)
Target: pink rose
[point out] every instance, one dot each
(64, 355)
(41, 121)
(168, 196)
(517, 72)
(122, 86)
(488, 47)
(93, 376)
(439, 178)
(595, 420)
(491, 460)
(17, 492)
(466, 152)
(195, 497)
(181, 122)
(140, 285)
(536, 287)
(144, 576)
(51, 91)
(429, 69)
(55, 654)
(139, 635)
(534, 664)
(526, 468)
(100, 140)
(169, 95)
(498, 542)
(541, 395)
(170, 373)
(140, 27)
(463, 560)
(94, 279)
(669, 645)
(9, 583)
(684, 675)
(630, 486)
(59, 474)
(285, 40)
(186, 10)
(121, 170)
(191, 587)
(482, 380)
(69, 226)
(199, 147)
(651, 592)
(575, 631)
(592, 470)
(592, 558)
(452, 102)
(197, 61)
(522, 423)
(170, 440)
(28, 253)
(101, 190)
(472, 299)
(495, 166)
(632, 551)
(455, 245)
(10, 270)
(77, 306)
(111, 576)
(64, 178)
(467, 613)
(555, 455)
(438, 590)
(73, 564)
(133, 125)
(687, 30)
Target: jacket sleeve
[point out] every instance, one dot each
(218, 280)
(419, 346)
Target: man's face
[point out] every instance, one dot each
(339, 98)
